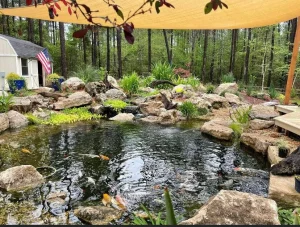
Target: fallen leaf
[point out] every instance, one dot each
(106, 199)
(26, 151)
(103, 157)
(156, 187)
(120, 200)
(117, 205)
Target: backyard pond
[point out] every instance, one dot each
(143, 159)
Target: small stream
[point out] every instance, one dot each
(144, 158)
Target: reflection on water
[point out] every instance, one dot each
(144, 159)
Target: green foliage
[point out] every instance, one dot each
(281, 143)
(237, 129)
(241, 115)
(64, 117)
(116, 104)
(23, 92)
(53, 77)
(162, 71)
(193, 81)
(130, 84)
(281, 98)
(147, 94)
(152, 220)
(171, 219)
(210, 88)
(250, 86)
(5, 103)
(285, 216)
(88, 73)
(296, 214)
(228, 78)
(272, 92)
(13, 76)
(188, 109)
(145, 82)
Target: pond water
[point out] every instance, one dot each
(144, 158)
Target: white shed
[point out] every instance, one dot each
(19, 56)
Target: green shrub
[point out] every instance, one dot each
(89, 73)
(286, 217)
(272, 92)
(130, 84)
(162, 71)
(188, 109)
(5, 103)
(147, 94)
(193, 81)
(145, 82)
(228, 78)
(116, 104)
(210, 88)
(241, 115)
(293, 93)
(281, 98)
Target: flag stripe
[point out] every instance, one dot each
(43, 57)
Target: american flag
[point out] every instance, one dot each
(44, 58)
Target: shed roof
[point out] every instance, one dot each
(188, 14)
(24, 48)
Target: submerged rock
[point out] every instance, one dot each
(98, 215)
(16, 120)
(122, 117)
(289, 165)
(4, 122)
(20, 178)
(236, 208)
(76, 99)
(217, 130)
(72, 84)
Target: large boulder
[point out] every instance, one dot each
(98, 109)
(288, 166)
(151, 108)
(115, 94)
(21, 104)
(258, 124)
(216, 101)
(201, 88)
(258, 142)
(72, 84)
(273, 157)
(200, 102)
(263, 112)
(226, 87)
(76, 99)
(232, 99)
(217, 130)
(236, 208)
(44, 89)
(113, 82)
(4, 122)
(16, 120)
(97, 215)
(122, 117)
(20, 178)
(169, 117)
(94, 88)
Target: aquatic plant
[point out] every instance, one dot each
(116, 104)
(5, 103)
(189, 109)
(130, 83)
(210, 88)
(228, 78)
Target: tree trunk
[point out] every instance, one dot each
(149, 50)
(114, 48)
(212, 64)
(193, 51)
(84, 48)
(94, 47)
(247, 57)
(167, 47)
(3, 18)
(30, 30)
(171, 46)
(108, 50)
(119, 50)
(234, 37)
(63, 50)
(271, 57)
(204, 55)
(244, 50)
(221, 57)
(263, 65)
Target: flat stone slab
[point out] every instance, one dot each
(217, 130)
(273, 157)
(282, 190)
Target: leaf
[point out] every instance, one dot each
(226, 6)
(87, 9)
(171, 220)
(106, 199)
(57, 5)
(70, 10)
(208, 8)
(157, 5)
(215, 4)
(169, 5)
(103, 157)
(129, 37)
(118, 11)
(26, 151)
(65, 2)
(28, 2)
(80, 33)
(128, 27)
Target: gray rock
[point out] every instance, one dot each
(258, 124)
(115, 94)
(122, 117)
(76, 99)
(45, 89)
(226, 87)
(232, 99)
(97, 215)
(41, 114)
(263, 112)
(95, 88)
(36, 99)
(288, 166)
(72, 84)
(98, 109)
(151, 108)
(131, 109)
(4, 122)
(113, 82)
(259, 143)
(150, 119)
(16, 120)
(21, 104)
(216, 101)
(138, 101)
(20, 178)
(169, 117)
(217, 130)
(100, 98)
(236, 208)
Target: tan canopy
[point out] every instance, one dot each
(188, 14)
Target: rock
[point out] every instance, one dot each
(4, 122)
(271, 103)
(201, 88)
(36, 99)
(115, 94)
(20, 178)
(259, 143)
(223, 122)
(57, 197)
(226, 87)
(169, 117)
(150, 119)
(123, 117)
(263, 112)
(227, 184)
(131, 109)
(100, 98)
(138, 101)
(44, 89)
(72, 84)
(282, 190)
(216, 101)
(21, 104)
(98, 109)
(273, 157)
(288, 166)
(200, 102)
(94, 88)
(236, 208)
(16, 120)
(218, 131)
(232, 99)
(76, 99)
(42, 114)
(147, 89)
(183, 88)
(151, 108)
(97, 215)
(258, 124)
(113, 82)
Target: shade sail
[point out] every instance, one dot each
(188, 14)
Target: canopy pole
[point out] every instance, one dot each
(290, 79)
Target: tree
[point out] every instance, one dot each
(247, 57)
(63, 50)
(149, 50)
(204, 55)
